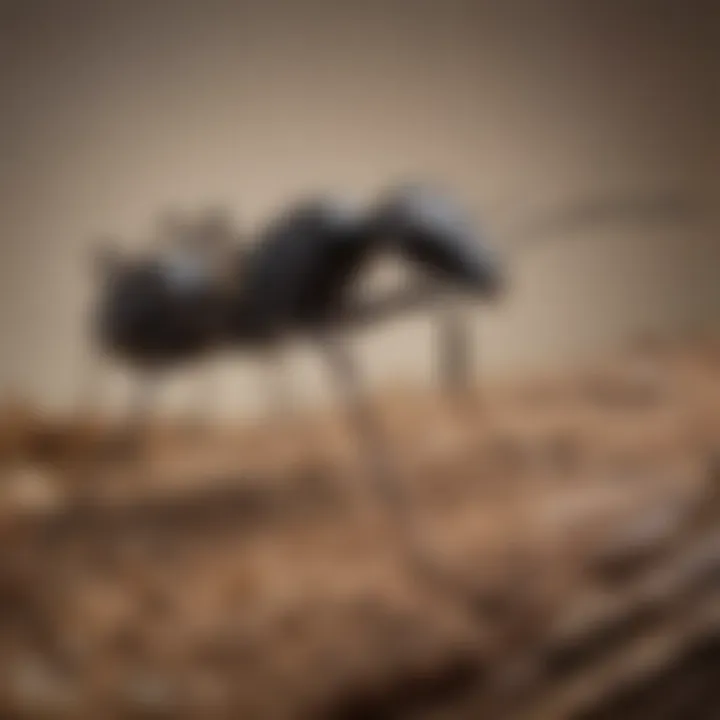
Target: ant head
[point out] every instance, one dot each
(440, 234)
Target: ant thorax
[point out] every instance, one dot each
(186, 270)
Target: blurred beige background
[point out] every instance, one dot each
(595, 125)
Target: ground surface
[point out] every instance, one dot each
(559, 557)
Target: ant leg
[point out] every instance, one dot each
(376, 454)
(89, 435)
(282, 401)
(459, 415)
(282, 418)
(454, 340)
(383, 474)
(456, 360)
(88, 397)
(136, 425)
(198, 419)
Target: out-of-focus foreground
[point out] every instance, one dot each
(247, 574)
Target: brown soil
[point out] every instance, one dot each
(560, 558)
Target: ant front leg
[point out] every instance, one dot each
(456, 373)
(454, 346)
(344, 371)
(456, 355)
(382, 471)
